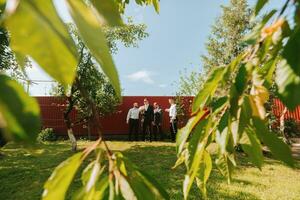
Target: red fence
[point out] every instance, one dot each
(278, 108)
(114, 124)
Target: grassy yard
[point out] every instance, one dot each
(22, 174)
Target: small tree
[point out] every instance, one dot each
(225, 40)
(92, 82)
(223, 45)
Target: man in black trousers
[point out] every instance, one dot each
(133, 121)
(157, 122)
(148, 119)
(173, 119)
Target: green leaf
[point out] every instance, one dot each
(112, 195)
(219, 104)
(241, 80)
(98, 191)
(267, 72)
(209, 88)
(86, 174)
(2, 7)
(143, 185)
(259, 5)
(288, 85)
(21, 59)
(225, 166)
(126, 190)
(37, 31)
(290, 52)
(251, 145)
(19, 113)
(156, 5)
(184, 132)
(93, 186)
(245, 114)
(196, 148)
(108, 10)
(204, 173)
(197, 136)
(181, 159)
(58, 183)
(279, 149)
(90, 30)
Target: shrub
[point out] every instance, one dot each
(292, 128)
(46, 134)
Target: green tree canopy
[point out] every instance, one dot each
(223, 45)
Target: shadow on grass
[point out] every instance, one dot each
(22, 175)
(157, 161)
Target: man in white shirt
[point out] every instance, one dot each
(133, 121)
(173, 118)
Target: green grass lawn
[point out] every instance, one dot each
(22, 175)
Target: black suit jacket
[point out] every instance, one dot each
(149, 114)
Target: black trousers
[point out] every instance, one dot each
(147, 129)
(133, 129)
(157, 131)
(173, 129)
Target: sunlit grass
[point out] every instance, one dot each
(22, 173)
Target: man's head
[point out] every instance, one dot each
(171, 101)
(155, 105)
(146, 102)
(135, 104)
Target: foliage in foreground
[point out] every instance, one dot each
(33, 24)
(239, 118)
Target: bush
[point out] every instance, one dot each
(292, 128)
(46, 134)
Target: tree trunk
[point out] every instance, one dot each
(72, 139)
(282, 126)
(69, 124)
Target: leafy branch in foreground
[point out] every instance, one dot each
(239, 118)
(37, 31)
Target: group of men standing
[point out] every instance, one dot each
(149, 118)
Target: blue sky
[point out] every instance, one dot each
(176, 41)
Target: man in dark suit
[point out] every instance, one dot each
(148, 119)
(157, 122)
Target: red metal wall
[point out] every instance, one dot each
(114, 124)
(278, 108)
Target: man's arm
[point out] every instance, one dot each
(128, 116)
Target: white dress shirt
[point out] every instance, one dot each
(133, 113)
(172, 112)
(146, 106)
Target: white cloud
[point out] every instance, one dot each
(162, 85)
(142, 75)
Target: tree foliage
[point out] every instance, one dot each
(223, 45)
(224, 42)
(239, 117)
